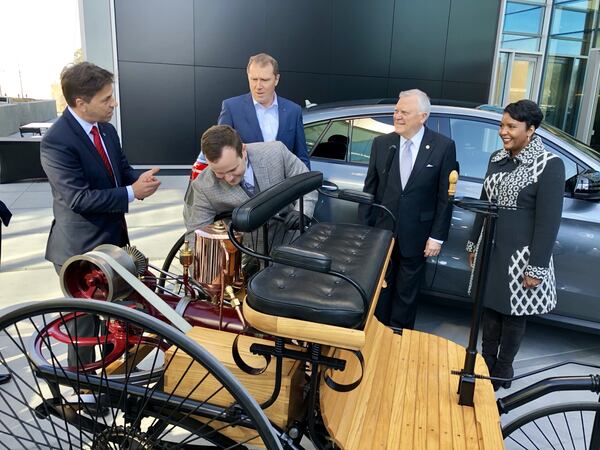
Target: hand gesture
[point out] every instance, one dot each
(146, 184)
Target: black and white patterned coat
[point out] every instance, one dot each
(533, 181)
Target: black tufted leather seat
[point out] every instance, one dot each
(356, 251)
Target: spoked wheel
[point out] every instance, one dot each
(564, 426)
(171, 264)
(164, 391)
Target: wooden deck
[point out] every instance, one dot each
(407, 398)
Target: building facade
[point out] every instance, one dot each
(549, 51)
(176, 61)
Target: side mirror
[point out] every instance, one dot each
(585, 186)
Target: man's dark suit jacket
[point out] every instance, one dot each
(239, 113)
(421, 208)
(88, 208)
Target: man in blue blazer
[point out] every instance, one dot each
(92, 182)
(261, 115)
(91, 189)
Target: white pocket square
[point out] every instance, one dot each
(429, 165)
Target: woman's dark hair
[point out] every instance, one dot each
(525, 111)
(83, 80)
(216, 138)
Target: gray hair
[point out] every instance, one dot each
(422, 99)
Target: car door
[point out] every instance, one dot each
(476, 139)
(577, 249)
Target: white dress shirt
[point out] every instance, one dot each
(87, 127)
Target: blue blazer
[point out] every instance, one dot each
(88, 207)
(239, 113)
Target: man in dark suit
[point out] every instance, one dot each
(92, 182)
(408, 173)
(261, 115)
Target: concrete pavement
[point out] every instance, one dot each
(154, 226)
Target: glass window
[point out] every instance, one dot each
(565, 47)
(571, 28)
(567, 22)
(571, 140)
(521, 79)
(501, 70)
(364, 130)
(475, 142)
(570, 165)
(520, 42)
(313, 133)
(584, 5)
(561, 93)
(523, 18)
(334, 143)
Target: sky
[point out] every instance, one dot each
(39, 37)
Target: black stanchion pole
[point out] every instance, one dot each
(466, 384)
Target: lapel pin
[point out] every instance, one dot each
(427, 147)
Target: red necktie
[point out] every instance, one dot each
(101, 152)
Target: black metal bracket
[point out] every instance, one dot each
(266, 350)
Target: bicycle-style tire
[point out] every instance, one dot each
(37, 409)
(576, 424)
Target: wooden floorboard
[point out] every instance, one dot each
(408, 398)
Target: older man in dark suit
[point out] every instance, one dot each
(408, 173)
(92, 182)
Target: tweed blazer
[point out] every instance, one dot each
(207, 196)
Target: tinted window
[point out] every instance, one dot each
(364, 130)
(312, 133)
(475, 142)
(334, 143)
(570, 165)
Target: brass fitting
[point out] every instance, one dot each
(235, 303)
(186, 257)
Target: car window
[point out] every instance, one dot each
(475, 142)
(571, 168)
(334, 143)
(364, 130)
(313, 133)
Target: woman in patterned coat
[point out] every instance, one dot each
(520, 279)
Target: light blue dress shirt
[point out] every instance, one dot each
(416, 145)
(268, 119)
